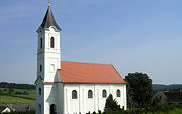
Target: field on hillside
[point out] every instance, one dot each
(17, 95)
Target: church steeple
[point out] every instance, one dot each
(49, 50)
(49, 19)
(48, 63)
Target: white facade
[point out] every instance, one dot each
(48, 61)
(54, 96)
(84, 104)
(61, 95)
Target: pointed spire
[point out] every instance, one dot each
(49, 19)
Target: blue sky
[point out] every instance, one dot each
(133, 35)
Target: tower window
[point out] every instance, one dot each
(52, 42)
(104, 93)
(118, 93)
(39, 91)
(52, 67)
(39, 109)
(90, 94)
(74, 94)
(40, 68)
(40, 43)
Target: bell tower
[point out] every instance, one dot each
(48, 61)
(48, 51)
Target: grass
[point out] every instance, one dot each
(174, 111)
(12, 97)
(9, 99)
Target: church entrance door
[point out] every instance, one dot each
(52, 109)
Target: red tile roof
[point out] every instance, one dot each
(172, 96)
(76, 72)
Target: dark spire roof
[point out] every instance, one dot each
(49, 20)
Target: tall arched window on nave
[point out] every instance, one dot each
(118, 93)
(90, 94)
(104, 93)
(74, 94)
(52, 42)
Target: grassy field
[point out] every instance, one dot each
(17, 96)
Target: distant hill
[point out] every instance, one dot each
(16, 86)
(172, 86)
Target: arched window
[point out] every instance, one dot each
(104, 93)
(118, 93)
(39, 109)
(39, 91)
(40, 43)
(74, 94)
(52, 42)
(40, 68)
(90, 94)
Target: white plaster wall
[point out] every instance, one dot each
(47, 57)
(83, 104)
(39, 98)
(40, 61)
(50, 97)
(52, 55)
(6, 110)
(60, 98)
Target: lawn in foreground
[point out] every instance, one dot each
(175, 111)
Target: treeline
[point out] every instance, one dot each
(166, 87)
(16, 86)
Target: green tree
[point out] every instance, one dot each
(25, 93)
(10, 90)
(111, 105)
(139, 88)
(1, 92)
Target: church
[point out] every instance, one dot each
(65, 87)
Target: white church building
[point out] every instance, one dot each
(64, 87)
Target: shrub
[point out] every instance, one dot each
(17, 92)
(111, 106)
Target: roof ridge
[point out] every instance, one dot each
(87, 63)
(118, 73)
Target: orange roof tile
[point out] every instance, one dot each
(76, 72)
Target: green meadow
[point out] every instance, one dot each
(17, 95)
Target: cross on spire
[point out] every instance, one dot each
(49, 3)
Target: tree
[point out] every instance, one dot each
(1, 92)
(10, 90)
(111, 106)
(139, 88)
(25, 93)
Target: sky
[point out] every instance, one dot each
(133, 35)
